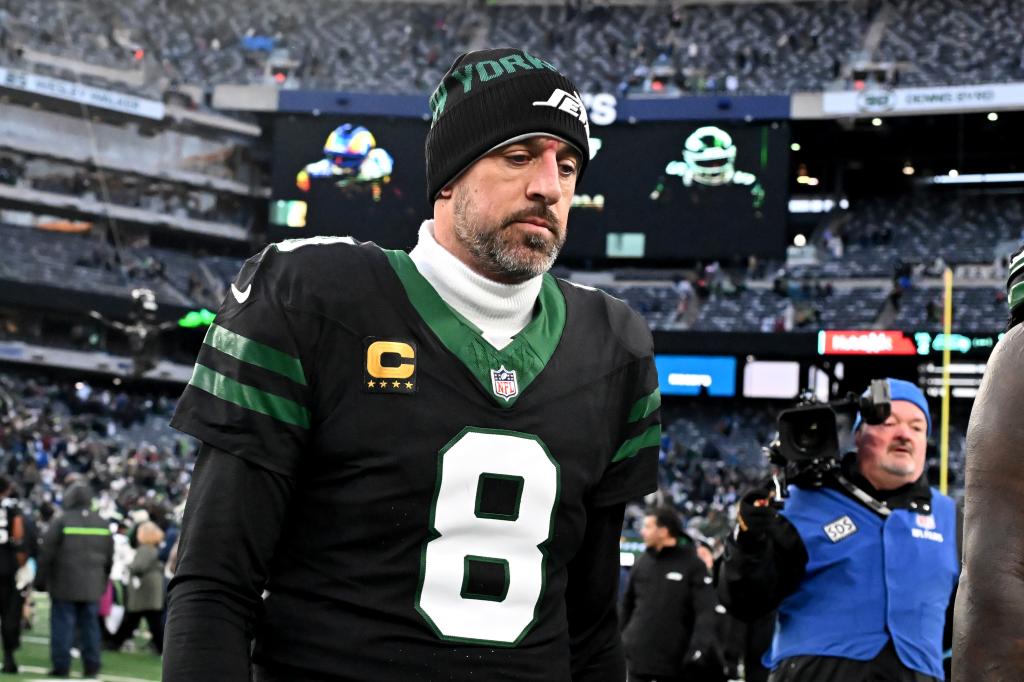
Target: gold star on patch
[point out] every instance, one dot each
(408, 385)
(396, 384)
(371, 384)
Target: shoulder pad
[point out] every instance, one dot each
(628, 326)
(289, 262)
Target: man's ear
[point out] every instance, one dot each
(445, 193)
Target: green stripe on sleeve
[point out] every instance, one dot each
(1016, 294)
(243, 395)
(652, 436)
(645, 406)
(255, 353)
(79, 530)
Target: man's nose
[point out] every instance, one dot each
(545, 184)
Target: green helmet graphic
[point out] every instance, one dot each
(710, 156)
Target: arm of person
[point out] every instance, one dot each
(18, 539)
(628, 603)
(590, 600)
(232, 522)
(988, 638)
(591, 594)
(765, 559)
(250, 403)
(47, 551)
(703, 639)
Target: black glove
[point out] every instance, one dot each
(756, 515)
(704, 664)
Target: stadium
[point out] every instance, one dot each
(796, 197)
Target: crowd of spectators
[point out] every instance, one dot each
(115, 439)
(925, 230)
(403, 47)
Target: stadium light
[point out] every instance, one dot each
(795, 147)
(993, 116)
(876, 122)
(954, 173)
(955, 178)
(799, 240)
(908, 169)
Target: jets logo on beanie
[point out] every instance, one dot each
(491, 97)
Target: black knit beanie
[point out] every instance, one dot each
(491, 97)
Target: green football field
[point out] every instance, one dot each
(34, 655)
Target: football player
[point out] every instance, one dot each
(989, 613)
(414, 465)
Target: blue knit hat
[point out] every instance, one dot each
(904, 390)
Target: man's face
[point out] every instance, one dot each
(509, 209)
(892, 454)
(654, 536)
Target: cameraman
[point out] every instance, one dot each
(861, 569)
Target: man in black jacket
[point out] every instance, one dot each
(74, 564)
(12, 557)
(668, 605)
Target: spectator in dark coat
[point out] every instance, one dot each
(145, 598)
(74, 563)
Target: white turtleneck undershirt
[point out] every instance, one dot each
(499, 310)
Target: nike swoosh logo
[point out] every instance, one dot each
(240, 295)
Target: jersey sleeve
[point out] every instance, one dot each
(633, 470)
(249, 393)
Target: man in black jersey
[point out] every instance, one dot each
(13, 555)
(989, 616)
(415, 465)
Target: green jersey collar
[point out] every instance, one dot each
(504, 374)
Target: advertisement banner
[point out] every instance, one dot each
(83, 94)
(693, 375)
(831, 342)
(878, 101)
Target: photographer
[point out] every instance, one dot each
(861, 562)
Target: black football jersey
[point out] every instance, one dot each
(442, 486)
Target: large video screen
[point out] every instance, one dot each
(661, 191)
(680, 190)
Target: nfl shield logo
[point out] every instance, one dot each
(926, 521)
(504, 383)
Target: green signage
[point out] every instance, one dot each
(197, 318)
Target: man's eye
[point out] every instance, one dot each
(520, 158)
(568, 168)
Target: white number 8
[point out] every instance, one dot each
(465, 534)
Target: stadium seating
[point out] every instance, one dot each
(84, 263)
(940, 41)
(396, 47)
(979, 310)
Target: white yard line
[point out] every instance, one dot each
(103, 677)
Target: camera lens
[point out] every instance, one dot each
(809, 437)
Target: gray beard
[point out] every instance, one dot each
(897, 470)
(496, 254)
